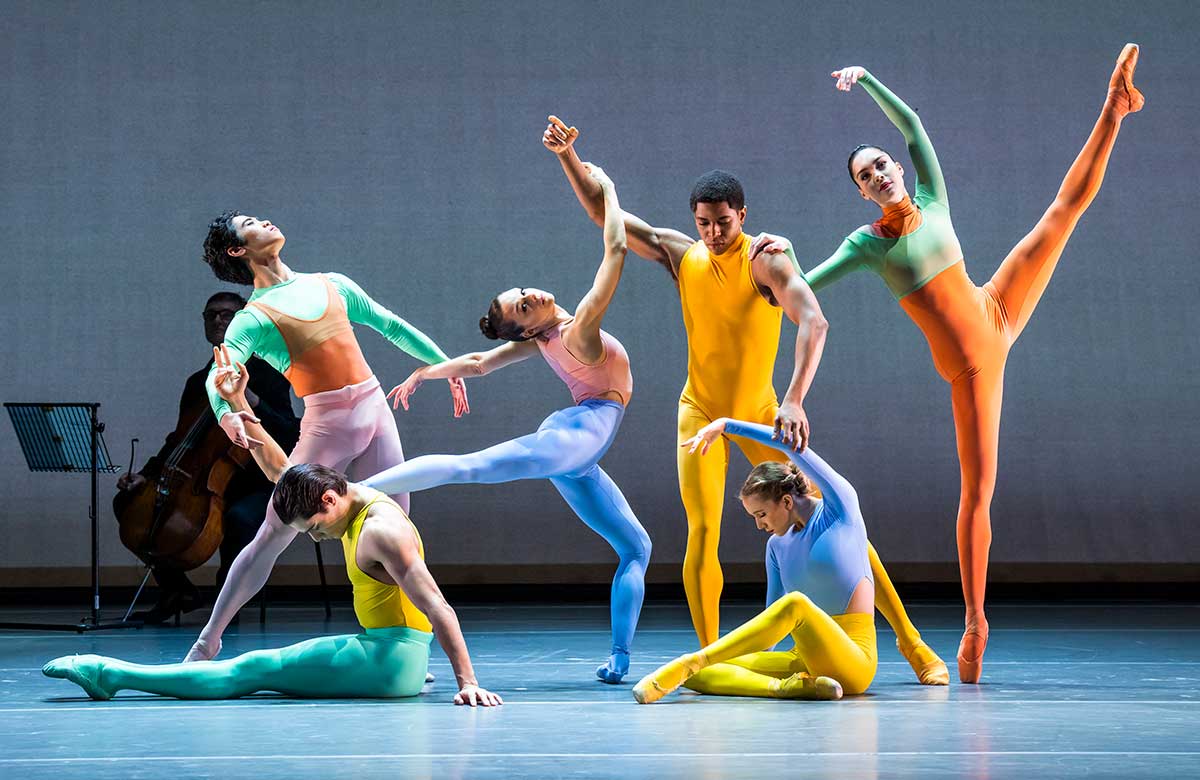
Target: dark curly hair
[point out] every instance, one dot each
(496, 326)
(221, 237)
(857, 149)
(718, 187)
(298, 494)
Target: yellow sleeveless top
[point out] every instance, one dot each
(733, 333)
(378, 604)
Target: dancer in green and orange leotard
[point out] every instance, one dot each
(970, 329)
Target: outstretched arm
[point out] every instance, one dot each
(835, 489)
(778, 274)
(920, 149)
(584, 333)
(399, 555)
(469, 365)
(661, 245)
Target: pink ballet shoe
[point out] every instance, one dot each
(970, 653)
(1124, 97)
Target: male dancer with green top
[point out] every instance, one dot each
(301, 325)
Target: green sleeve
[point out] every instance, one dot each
(929, 173)
(242, 338)
(361, 308)
(848, 257)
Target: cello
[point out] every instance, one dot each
(175, 519)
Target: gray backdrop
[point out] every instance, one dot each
(399, 143)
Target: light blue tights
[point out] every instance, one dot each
(566, 448)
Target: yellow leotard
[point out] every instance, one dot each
(378, 604)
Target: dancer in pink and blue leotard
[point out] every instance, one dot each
(568, 445)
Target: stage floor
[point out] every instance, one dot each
(1095, 690)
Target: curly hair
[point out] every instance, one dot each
(718, 187)
(496, 326)
(298, 493)
(776, 480)
(221, 237)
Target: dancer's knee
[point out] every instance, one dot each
(794, 606)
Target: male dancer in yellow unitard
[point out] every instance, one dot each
(732, 310)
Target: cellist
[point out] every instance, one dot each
(247, 494)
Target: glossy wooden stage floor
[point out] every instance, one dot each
(1096, 690)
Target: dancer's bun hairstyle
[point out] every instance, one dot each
(776, 480)
(494, 326)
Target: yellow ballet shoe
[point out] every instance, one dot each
(804, 686)
(930, 669)
(667, 678)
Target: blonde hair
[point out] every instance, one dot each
(776, 480)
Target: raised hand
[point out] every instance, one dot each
(558, 138)
(705, 437)
(768, 244)
(791, 426)
(230, 382)
(848, 77)
(473, 694)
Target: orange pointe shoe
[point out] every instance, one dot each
(1126, 98)
(667, 678)
(930, 669)
(970, 653)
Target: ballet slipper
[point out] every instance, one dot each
(970, 653)
(1122, 95)
(804, 686)
(83, 670)
(615, 670)
(667, 678)
(930, 669)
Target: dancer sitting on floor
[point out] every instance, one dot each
(395, 599)
(970, 329)
(570, 442)
(819, 588)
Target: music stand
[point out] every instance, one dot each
(67, 438)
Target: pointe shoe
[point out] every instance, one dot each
(930, 669)
(615, 670)
(970, 654)
(666, 678)
(802, 685)
(75, 668)
(1126, 98)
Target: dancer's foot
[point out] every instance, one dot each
(802, 685)
(971, 650)
(615, 670)
(930, 669)
(83, 670)
(429, 678)
(1122, 95)
(667, 678)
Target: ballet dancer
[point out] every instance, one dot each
(396, 599)
(970, 329)
(569, 443)
(301, 325)
(732, 310)
(819, 588)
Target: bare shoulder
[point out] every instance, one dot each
(386, 526)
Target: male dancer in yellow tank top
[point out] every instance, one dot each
(732, 311)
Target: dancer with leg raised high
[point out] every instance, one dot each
(569, 443)
(970, 329)
(819, 588)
